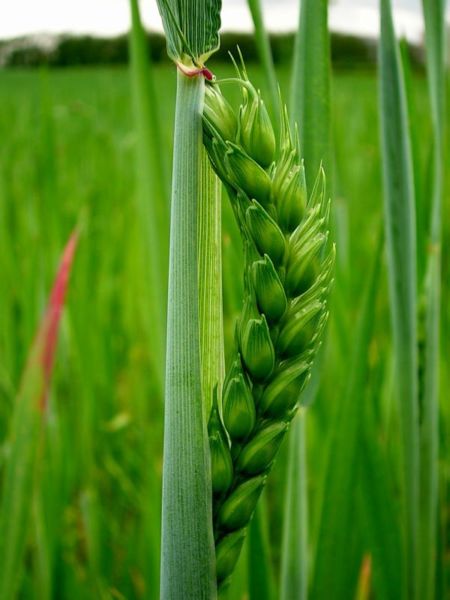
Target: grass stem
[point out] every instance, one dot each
(187, 561)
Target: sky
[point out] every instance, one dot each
(111, 17)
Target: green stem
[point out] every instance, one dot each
(294, 567)
(187, 561)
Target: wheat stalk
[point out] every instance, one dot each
(287, 276)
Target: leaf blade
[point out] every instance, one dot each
(310, 91)
(310, 109)
(399, 209)
(429, 430)
(265, 54)
(152, 193)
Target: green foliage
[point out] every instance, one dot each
(310, 90)
(68, 143)
(434, 13)
(400, 223)
(153, 192)
(27, 434)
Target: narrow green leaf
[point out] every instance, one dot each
(399, 207)
(26, 435)
(416, 135)
(265, 56)
(310, 96)
(434, 13)
(191, 29)
(152, 186)
(294, 558)
(310, 109)
(331, 576)
(187, 569)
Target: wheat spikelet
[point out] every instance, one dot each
(287, 276)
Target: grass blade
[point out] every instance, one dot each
(399, 207)
(429, 431)
(265, 55)
(310, 96)
(26, 433)
(152, 186)
(310, 109)
(420, 187)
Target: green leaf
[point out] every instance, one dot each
(152, 192)
(192, 29)
(416, 135)
(310, 91)
(310, 109)
(400, 223)
(265, 55)
(434, 13)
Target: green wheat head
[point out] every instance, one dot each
(287, 277)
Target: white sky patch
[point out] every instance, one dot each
(111, 17)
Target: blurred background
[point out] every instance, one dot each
(33, 29)
(72, 137)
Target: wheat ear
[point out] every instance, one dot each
(287, 277)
